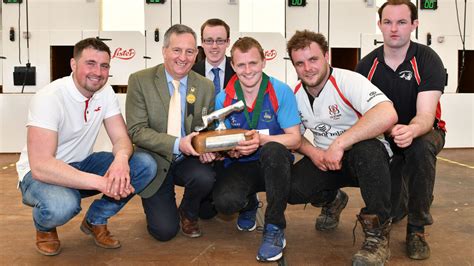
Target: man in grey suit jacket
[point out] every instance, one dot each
(148, 100)
(215, 39)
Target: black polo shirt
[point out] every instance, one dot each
(422, 70)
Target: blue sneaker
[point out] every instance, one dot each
(272, 245)
(247, 219)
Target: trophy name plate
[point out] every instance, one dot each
(218, 140)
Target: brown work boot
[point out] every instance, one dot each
(189, 228)
(375, 249)
(417, 247)
(102, 237)
(47, 243)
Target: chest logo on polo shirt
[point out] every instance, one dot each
(322, 129)
(234, 122)
(406, 74)
(267, 116)
(97, 109)
(334, 112)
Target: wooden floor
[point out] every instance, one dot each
(451, 237)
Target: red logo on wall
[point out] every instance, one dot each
(124, 54)
(270, 54)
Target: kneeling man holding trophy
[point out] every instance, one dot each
(261, 160)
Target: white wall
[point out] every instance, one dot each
(68, 17)
(114, 13)
(54, 22)
(347, 20)
(13, 115)
(262, 16)
(458, 112)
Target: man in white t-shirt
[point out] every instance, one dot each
(57, 166)
(347, 116)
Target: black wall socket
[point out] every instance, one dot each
(157, 35)
(12, 34)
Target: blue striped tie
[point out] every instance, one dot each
(217, 80)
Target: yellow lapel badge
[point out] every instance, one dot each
(191, 98)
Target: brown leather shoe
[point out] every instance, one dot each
(189, 228)
(102, 237)
(47, 243)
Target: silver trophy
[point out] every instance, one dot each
(221, 138)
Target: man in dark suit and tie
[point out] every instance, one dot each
(164, 105)
(215, 39)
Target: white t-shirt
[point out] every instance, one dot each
(345, 96)
(62, 108)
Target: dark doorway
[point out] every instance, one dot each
(346, 58)
(60, 61)
(120, 88)
(466, 81)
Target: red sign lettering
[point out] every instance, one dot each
(124, 54)
(270, 54)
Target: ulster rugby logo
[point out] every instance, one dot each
(124, 54)
(334, 112)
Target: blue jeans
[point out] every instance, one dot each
(55, 205)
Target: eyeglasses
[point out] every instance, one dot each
(211, 41)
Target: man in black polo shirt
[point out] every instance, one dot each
(413, 77)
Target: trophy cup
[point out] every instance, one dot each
(221, 138)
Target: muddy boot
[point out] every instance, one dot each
(330, 213)
(417, 247)
(375, 249)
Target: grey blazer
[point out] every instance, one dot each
(146, 112)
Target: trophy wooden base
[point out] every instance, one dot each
(218, 140)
